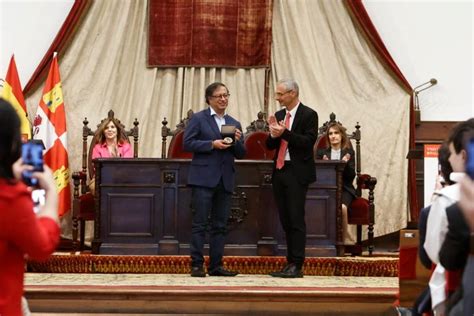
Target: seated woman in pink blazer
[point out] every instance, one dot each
(111, 141)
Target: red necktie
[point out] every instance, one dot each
(283, 145)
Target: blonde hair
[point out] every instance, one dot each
(121, 137)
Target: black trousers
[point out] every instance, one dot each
(290, 197)
(213, 204)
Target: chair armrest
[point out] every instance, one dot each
(79, 175)
(79, 179)
(366, 181)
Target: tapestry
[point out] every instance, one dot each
(224, 33)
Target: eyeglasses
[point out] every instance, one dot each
(280, 94)
(220, 96)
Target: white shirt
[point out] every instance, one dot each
(220, 120)
(292, 118)
(335, 154)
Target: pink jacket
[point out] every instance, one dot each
(101, 151)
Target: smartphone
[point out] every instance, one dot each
(470, 157)
(32, 154)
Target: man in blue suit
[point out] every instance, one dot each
(211, 176)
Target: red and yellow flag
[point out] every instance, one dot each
(13, 93)
(50, 127)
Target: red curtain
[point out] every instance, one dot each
(59, 44)
(357, 10)
(225, 33)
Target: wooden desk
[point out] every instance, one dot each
(145, 208)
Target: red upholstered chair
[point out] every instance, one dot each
(255, 138)
(175, 149)
(362, 209)
(83, 204)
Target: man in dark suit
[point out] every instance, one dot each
(211, 176)
(293, 132)
(455, 249)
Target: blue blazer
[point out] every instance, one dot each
(209, 165)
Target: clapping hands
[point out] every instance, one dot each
(276, 128)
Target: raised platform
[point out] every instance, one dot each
(182, 294)
(85, 283)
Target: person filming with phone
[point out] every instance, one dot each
(23, 233)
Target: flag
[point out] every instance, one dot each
(12, 93)
(50, 127)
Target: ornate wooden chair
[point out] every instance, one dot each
(83, 204)
(362, 209)
(175, 149)
(255, 137)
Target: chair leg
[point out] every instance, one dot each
(74, 234)
(371, 239)
(359, 234)
(82, 234)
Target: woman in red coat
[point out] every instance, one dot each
(22, 232)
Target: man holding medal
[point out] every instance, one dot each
(215, 139)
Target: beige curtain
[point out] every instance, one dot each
(314, 42)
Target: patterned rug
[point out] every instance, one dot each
(257, 283)
(340, 266)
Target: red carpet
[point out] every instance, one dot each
(340, 266)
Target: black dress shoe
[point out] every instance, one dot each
(290, 271)
(220, 271)
(198, 272)
(277, 273)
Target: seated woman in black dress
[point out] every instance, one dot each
(339, 148)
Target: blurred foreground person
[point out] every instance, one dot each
(22, 232)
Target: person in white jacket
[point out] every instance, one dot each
(437, 225)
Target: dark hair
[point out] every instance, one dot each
(121, 137)
(345, 143)
(458, 134)
(213, 87)
(10, 139)
(443, 161)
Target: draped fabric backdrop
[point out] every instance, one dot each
(225, 33)
(105, 67)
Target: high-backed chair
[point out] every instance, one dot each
(175, 149)
(255, 138)
(83, 205)
(362, 210)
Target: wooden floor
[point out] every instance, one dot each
(241, 303)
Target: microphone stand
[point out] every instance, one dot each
(416, 102)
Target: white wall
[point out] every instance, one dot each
(427, 39)
(431, 39)
(27, 29)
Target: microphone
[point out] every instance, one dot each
(263, 149)
(425, 85)
(422, 87)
